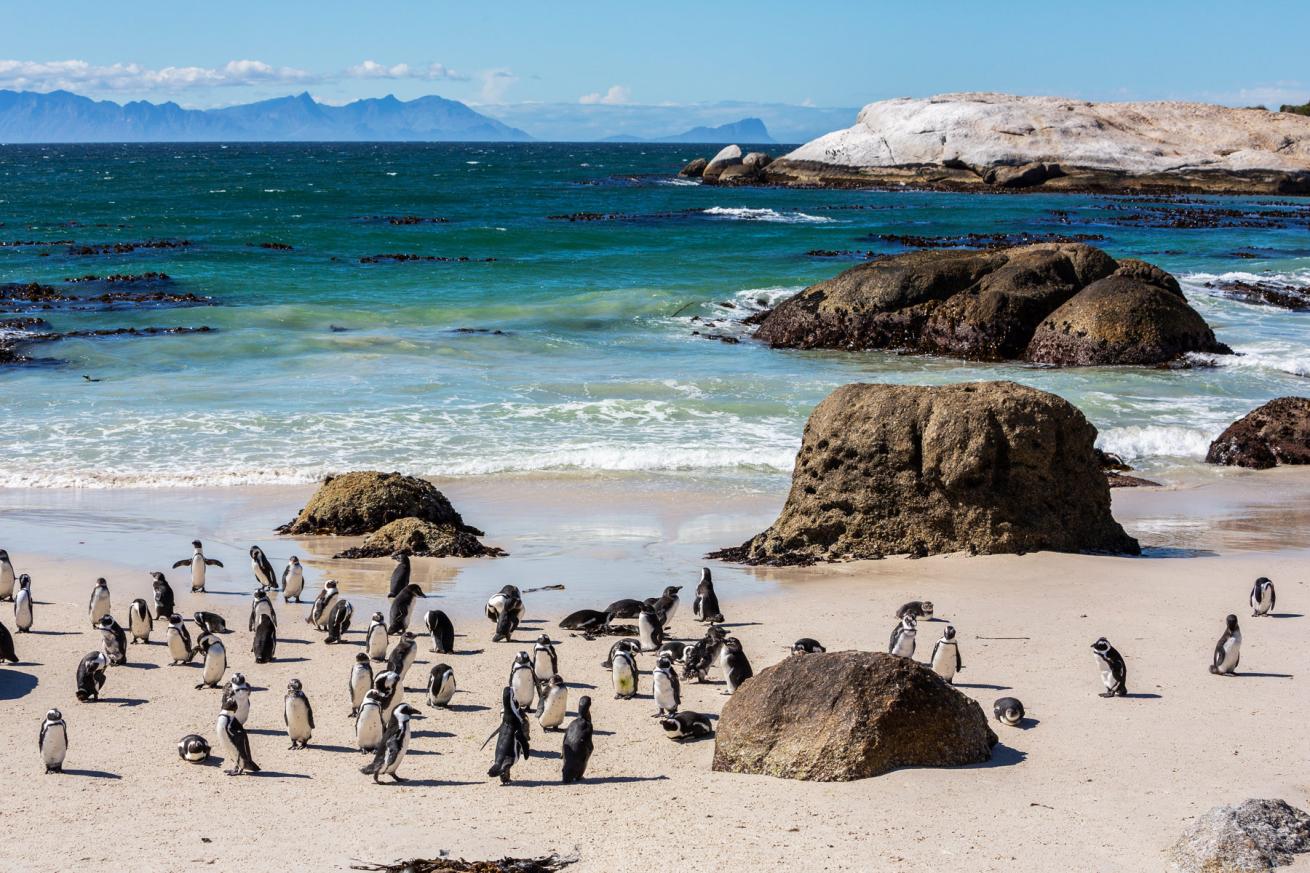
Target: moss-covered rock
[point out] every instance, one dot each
(421, 539)
(361, 502)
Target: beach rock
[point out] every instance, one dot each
(694, 168)
(1284, 295)
(1273, 434)
(362, 502)
(976, 141)
(984, 467)
(1256, 835)
(756, 161)
(728, 156)
(421, 539)
(839, 716)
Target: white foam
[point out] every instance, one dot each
(1158, 441)
(741, 213)
(1296, 277)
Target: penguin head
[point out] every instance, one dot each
(584, 707)
(4, 556)
(294, 561)
(908, 622)
(556, 680)
(378, 619)
(664, 663)
(732, 643)
(400, 556)
(238, 680)
(256, 552)
(261, 594)
(926, 606)
(715, 632)
(101, 583)
(543, 640)
(195, 544)
(175, 619)
(705, 575)
(949, 633)
(106, 622)
(230, 705)
(157, 576)
(374, 695)
(24, 581)
(1101, 646)
(294, 686)
(361, 657)
(405, 712)
(331, 584)
(416, 590)
(672, 590)
(1232, 624)
(54, 715)
(522, 659)
(671, 725)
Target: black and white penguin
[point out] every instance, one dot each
(293, 580)
(506, 624)
(625, 608)
(209, 622)
(376, 642)
(361, 680)
(687, 725)
(674, 650)
(1114, 672)
(388, 685)
(7, 652)
(511, 738)
(262, 569)
(666, 605)
(902, 641)
(585, 620)
(339, 620)
(523, 680)
(260, 605)
(578, 743)
(441, 685)
(164, 600)
(544, 661)
(624, 675)
(395, 743)
(1262, 596)
(441, 630)
(193, 748)
(7, 577)
(402, 655)
(507, 599)
(807, 646)
(624, 645)
(139, 621)
(115, 640)
(179, 641)
(650, 629)
(705, 607)
(368, 722)
(234, 741)
(24, 615)
(297, 715)
(99, 605)
(703, 654)
(667, 690)
(215, 661)
(945, 660)
(916, 609)
(553, 704)
(321, 611)
(402, 609)
(238, 691)
(1008, 711)
(197, 562)
(53, 741)
(91, 676)
(264, 645)
(1228, 651)
(736, 667)
(399, 573)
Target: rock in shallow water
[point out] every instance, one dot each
(421, 539)
(1273, 434)
(362, 502)
(1256, 835)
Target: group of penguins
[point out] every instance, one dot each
(383, 720)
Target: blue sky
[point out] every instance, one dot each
(836, 54)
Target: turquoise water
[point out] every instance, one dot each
(594, 368)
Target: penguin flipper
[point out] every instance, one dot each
(213, 562)
(182, 563)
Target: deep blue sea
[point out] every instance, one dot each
(573, 350)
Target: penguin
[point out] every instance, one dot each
(394, 745)
(902, 641)
(399, 573)
(916, 609)
(705, 608)
(523, 680)
(377, 640)
(1008, 710)
(402, 655)
(193, 749)
(553, 704)
(945, 660)
(807, 646)
(262, 569)
(388, 685)
(368, 722)
(91, 676)
(1114, 672)
(1228, 651)
(53, 741)
(321, 611)
(667, 691)
(511, 738)
(704, 654)
(139, 621)
(402, 609)
(23, 605)
(7, 577)
(624, 675)
(578, 743)
(674, 649)
(736, 666)
(441, 630)
(238, 691)
(298, 715)
(339, 620)
(293, 580)
(260, 605)
(197, 562)
(1262, 596)
(234, 741)
(99, 601)
(586, 620)
(506, 624)
(210, 622)
(164, 601)
(544, 661)
(626, 608)
(508, 598)
(667, 603)
(624, 645)
(686, 725)
(361, 680)
(7, 653)
(441, 685)
(650, 629)
(264, 646)
(115, 640)
(179, 641)
(215, 662)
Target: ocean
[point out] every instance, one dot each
(572, 350)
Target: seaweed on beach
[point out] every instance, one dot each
(546, 864)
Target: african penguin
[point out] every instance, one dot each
(262, 569)
(402, 655)
(179, 641)
(23, 614)
(197, 562)
(321, 611)
(523, 680)
(264, 645)
(441, 685)
(650, 629)
(163, 596)
(53, 741)
(238, 691)
(395, 743)
(1008, 711)
(193, 748)
(736, 667)
(139, 621)
(578, 743)
(945, 660)
(7, 652)
(1262, 596)
(293, 580)
(399, 573)
(377, 641)
(1228, 651)
(215, 661)
(99, 605)
(361, 680)
(626, 608)
(511, 738)
(544, 662)
(674, 649)
(339, 620)
(508, 598)
(807, 646)
(7, 577)
(260, 605)
(402, 609)
(686, 725)
(441, 630)
(388, 685)
(368, 722)
(115, 640)
(624, 675)
(297, 715)
(624, 645)
(667, 691)
(902, 641)
(1114, 672)
(705, 607)
(91, 676)
(585, 620)
(234, 741)
(209, 622)
(916, 609)
(553, 703)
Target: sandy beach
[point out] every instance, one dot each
(1090, 784)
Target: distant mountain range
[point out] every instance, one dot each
(751, 130)
(60, 116)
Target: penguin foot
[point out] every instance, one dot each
(397, 778)
(1106, 694)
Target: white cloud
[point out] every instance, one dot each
(617, 95)
(495, 83)
(373, 70)
(81, 75)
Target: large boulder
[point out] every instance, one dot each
(989, 305)
(1256, 835)
(983, 467)
(840, 716)
(1273, 434)
(422, 539)
(728, 156)
(694, 168)
(362, 502)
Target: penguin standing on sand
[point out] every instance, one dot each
(1262, 596)
(321, 611)
(388, 685)
(736, 666)
(193, 748)
(264, 646)
(624, 675)
(293, 580)
(368, 722)
(667, 604)
(667, 690)
(395, 743)
(1228, 651)
(544, 661)
(139, 621)
(506, 624)
(23, 614)
(686, 725)
(339, 620)
(578, 743)
(260, 605)
(402, 609)
(399, 573)
(650, 629)
(553, 703)
(1008, 711)
(7, 577)
(115, 640)
(511, 738)
(262, 569)
(179, 641)
(7, 653)
(215, 661)
(377, 640)
(507, 599)
(1114, 672)
(91, 676)
(99, 605)
(298, 715)
(624, 645)
(238, 691)
(361, 680)
(53, 741)
(902, 641)
(209, 622)
(945, 660)
(402, 655)
(441, 685)
(807, 646)
(522, 680)
(197, 562)
(705, 607)
(164, 600)
(441, 630)
(234, 741)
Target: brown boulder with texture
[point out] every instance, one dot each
(422, 539)
(1276, 433)
(362, 502)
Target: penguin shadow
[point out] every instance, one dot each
(1143, 696)
(323, 747)
(275, 774)
(1026, 723)
(428, 783)
(289, 660)
(466, 707)
(1286, 615)
(984, 685)
(124, 701)
(579, 685)
(600, 733)
(1252, 675)
(91, 774)
(547, 753)
(739, 623)
(467, 652)
(55, 633)
(1002, 756)
(266, 732)
(140, 665)
(593, 780)
(14, 684)
(288, 642)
